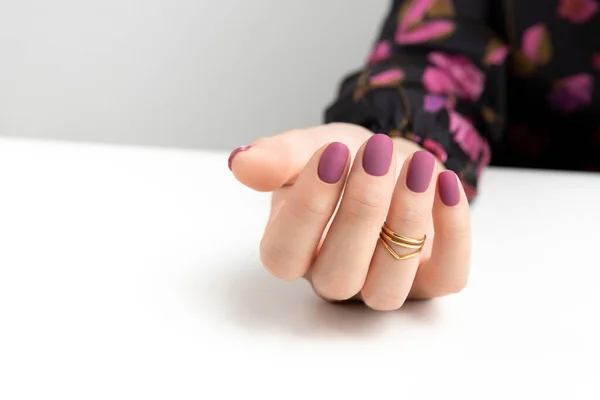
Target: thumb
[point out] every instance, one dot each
(271, 162)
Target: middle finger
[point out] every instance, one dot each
(389, 280)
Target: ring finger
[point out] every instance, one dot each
(389, 280)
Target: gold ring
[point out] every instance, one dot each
(401, 238)
(387, 235)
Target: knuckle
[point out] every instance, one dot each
(333, 290)
(311, 208)
(456, 236)
(279, 261)
(349, 130)
(457, 285)
(383, 301)
(291, 132)
(448, 286)
(411, 216)
(364, 205)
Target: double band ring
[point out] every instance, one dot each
(388, 237)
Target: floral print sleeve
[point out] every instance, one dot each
(425, 80)
(468, 79)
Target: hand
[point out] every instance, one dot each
(327, 213)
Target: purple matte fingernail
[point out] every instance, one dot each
(333, 162)
(448, 186)
(378, 155)
(234, 153)
(420, 171)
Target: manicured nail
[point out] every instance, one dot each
(333, 162)
(377, 157)
(234, 153)
(420, 171)
(448, 185)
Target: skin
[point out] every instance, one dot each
(335, 227)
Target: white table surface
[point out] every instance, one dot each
(119, 279)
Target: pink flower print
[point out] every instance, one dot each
(596, 61)
(469, 140)
(434, 102)
(436, 149)
(453, 75)
(436, 80)
(390, 77)
(412, 27)
(536, 44)
(496, 55)
(572, 92)
(416, 11)
(536, 49)
(578, 11)
(426, 32)
(381, 52)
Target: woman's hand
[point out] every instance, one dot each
(329, 204)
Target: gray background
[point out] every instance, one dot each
(184, 73)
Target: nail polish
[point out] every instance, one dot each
(377, 156)
(448, 187)
(333, 163)
(420, 171)
(234, 153)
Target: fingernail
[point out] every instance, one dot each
(378, 155)
(234, 153)
(448, 185)
(333, 162)
(420, 171)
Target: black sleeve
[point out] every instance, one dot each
(435, 76)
